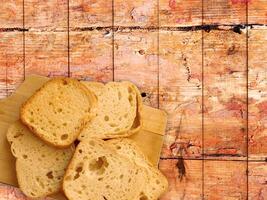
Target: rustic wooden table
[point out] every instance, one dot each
(204, 62)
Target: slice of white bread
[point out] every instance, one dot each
(118, 111)
(156, 183)
(59, 110)
(40, 167)
(97, 172)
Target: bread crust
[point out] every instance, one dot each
(91, 96)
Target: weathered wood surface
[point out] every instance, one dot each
(11, 62)
(257, 82)
(168, 65)
(91, 55)
(143, 13)
(11, 15)
(225, 180)
(175, 13)
(135, 59)
(185, 179)
(225, 94)
(257, 179)
(224, 12)
(46, 53)
(85, 13)
(46, 15)
(180, 84)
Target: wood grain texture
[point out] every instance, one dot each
(91, 55)
(257, 53)
(225, 95)
(90, 13)
(135, 59)
(46, 53)
(175, 13)
(11, 62)
(257, 12)
(224, 12)
(225, 180)
(185, 179)
(141, 13)
(180, 83)
(257, 178)
(11, 15)
(46, 15)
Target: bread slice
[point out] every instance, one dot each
(118, 111)
(40, 167)
(156, 182)
(59, 110)
(97, 172)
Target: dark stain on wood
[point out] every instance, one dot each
(181, 169)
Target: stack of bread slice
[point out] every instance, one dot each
(105, 165)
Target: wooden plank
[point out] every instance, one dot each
(135, 53)
(257, 53)
(225, 95)
(96, 13)
(11, 61)
(91, 55)
(175, 13)
(225, 180)
(141, 13)
(257, 178)
(180, 83)
(257, 10)
(224, 12)
(46, 15)
(184, 177)
(11, 15)
(46, 53)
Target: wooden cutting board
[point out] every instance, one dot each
(150, 138)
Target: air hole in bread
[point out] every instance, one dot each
(100, 179)
(32, 194)
(50, 103)
(125, 115)
(92, 143)
(68, 178)
(83, 186)
(32, 120)
(59, 110)
(25, 156)
(118, 147)
(80, 151)
(99, 165)
(119, 95)
(54, 134)
(130, 90)
(113, 125)
(157, 181)
(129, 180)
(31, 113)
(18, 135)
(78, 170)
(143, 197)
(107, 186)
(65, 82)
(50, 190)
(64, 136)
(121, 176)
(106, 118)
(65, 124)
(50, 175)
(43, 155)
(130, 98)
